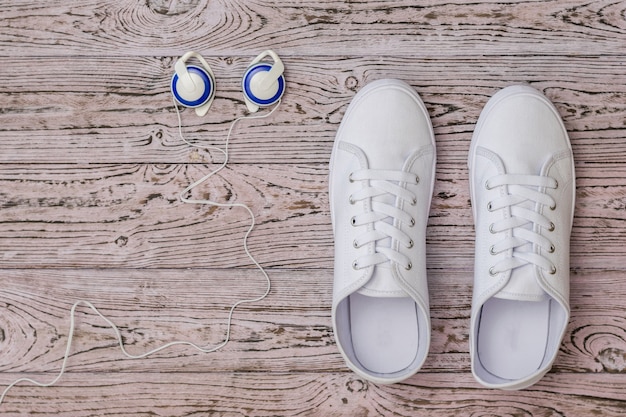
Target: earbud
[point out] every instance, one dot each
(263, 83)
(193, 86)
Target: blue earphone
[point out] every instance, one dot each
(193, 86)
(263, 84)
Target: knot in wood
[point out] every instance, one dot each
(170, 7)
(351, 83)
(357, 385)
(613, 360)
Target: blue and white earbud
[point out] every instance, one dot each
(263, 83)
(193, 86)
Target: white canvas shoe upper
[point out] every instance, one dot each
(381, 181)
(522, 191)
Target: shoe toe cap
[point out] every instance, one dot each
(389, 122)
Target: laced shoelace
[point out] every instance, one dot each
(384, 188)
(524, 223)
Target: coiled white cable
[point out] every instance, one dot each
(184, 199)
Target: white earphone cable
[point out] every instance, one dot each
(232, 308)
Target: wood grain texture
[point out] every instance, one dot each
(91, 166)
(297, 394)
(288, 332)
(78, 115)
(129, 215)
(158, 27)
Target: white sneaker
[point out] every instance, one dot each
(522, 189)
(382, 174)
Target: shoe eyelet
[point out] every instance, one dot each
(409, 266)
(487, 187)
(551, 249)
(492, 272)
(414, 201)
(350, 177)
(412, 222)
(556, 184)
(553, 207)
(355, 244)
(353, 221)
(552, 227)
(491, 230)
(552, 270)
(411, 244)
(489, 207)
(355, 265)
(352, 201)
(492, 250)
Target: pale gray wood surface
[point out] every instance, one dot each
(91, 166)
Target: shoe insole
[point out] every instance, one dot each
(384, 332)
(513, 336)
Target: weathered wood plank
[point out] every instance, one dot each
(129, 216)
(289, 331)
(98, 110)
(78, 216)
(311, 394)
(429, 28)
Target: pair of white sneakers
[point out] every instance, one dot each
(522, 185)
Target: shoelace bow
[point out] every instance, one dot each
(524, 223)
(382, 186)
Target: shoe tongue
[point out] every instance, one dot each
(382, 283)
(522, 286)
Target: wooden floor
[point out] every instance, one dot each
(91, 166)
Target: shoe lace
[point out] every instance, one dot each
(525, 195)
(383, 188)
